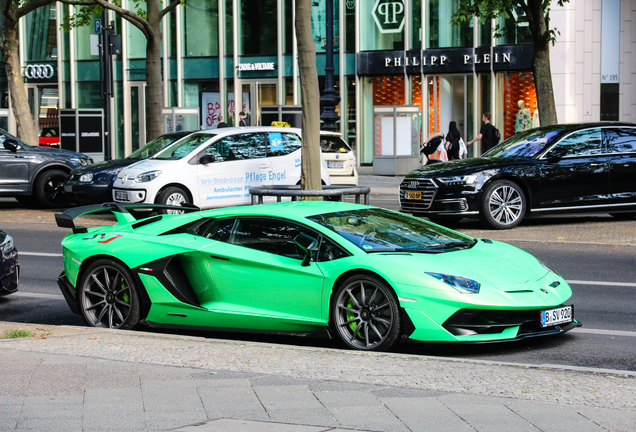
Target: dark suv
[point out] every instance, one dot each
(35, 174)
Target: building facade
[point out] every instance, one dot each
(402, 71)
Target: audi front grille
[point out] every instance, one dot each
(428, 189)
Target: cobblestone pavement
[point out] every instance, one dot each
(173, 381)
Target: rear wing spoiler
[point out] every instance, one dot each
(124, 213)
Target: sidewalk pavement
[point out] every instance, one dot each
(85, 379)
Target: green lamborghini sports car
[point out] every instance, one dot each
(368, 275)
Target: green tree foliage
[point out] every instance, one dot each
(537, 13)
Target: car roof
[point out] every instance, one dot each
(256, 129)
(577, 126)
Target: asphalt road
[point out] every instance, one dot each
(606, 309)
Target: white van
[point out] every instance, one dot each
(215, 168)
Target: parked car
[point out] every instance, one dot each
(49, 137)
(569, 168)
(215, 168)
(35, 174)
(369, 275)
(340, 160)
(9, 268)
(94, 183)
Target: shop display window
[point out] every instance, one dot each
(520, 103)
(388, 90)
(202, 28)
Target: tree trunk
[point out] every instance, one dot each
(19, 101)
(154, 88)
(311, 157)
(541, 64)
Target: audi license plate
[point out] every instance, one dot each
(552, 317)
(334, 164)
(121, 195)
(413, 195)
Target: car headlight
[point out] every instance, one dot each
(85, 178)
(545, 266)
(82, 161)
(7, 244)
(147, 176)
(458, 180)
(468, 285)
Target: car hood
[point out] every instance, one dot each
(144, 166)
(105, 166)
(493, 264)
(54, 153)
(462, 166)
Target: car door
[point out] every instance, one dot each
(260, 277)
(284, 152)
(14, 169)
(575, 173)
(620, 144)
(239, 163)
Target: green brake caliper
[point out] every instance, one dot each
(354, 325)
(126, 295)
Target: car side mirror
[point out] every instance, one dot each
(11, 145)
(557, 153)
(207, 159)
(307, 244)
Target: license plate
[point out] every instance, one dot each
(121, 195)
(552, 317)
(334, 164)
(412, 195)
(68, 188)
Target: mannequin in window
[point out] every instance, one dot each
(535, 119)
(524, 118)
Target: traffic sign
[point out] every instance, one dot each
(98, 26)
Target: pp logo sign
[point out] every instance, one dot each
(389, 15)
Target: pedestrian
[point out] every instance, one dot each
(222, 124)
(433, 149)
(452, 141)
(244, 121)
(486, 134)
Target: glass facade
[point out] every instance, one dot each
(197, 76)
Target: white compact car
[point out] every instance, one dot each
(215, 168)
(340, 160)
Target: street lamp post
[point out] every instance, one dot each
(329, 99)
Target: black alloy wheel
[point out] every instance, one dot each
(365, 314)
(48, 189)
(108, 296)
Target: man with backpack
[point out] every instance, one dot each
(488, 134)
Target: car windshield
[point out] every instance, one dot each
(4, 135)
(155, 146)
(524, 145)
(333, 144)
(380, 230)
(184, 147)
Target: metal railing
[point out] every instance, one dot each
(294, 192)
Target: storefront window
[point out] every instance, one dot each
(41, 34)
(319, 26)
(485, 33)
(288, 21)
(172, 36)
(258, 27)
(381, 27)
(350, 25)
(388, 90)
(520, 103)
(83, 41)
(441, 33)
(136, 41)
(515, 29)
(416, 17)
(229, 26)
(89, 95)
(201, 28)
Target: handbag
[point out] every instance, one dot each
(463, 150)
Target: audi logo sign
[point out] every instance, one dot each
(39, 71)
(414, 184)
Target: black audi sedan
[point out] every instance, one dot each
(94, 183)
(9, 268)
(566, 168)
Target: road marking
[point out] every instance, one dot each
(621, 284)
(38, 295)
(42, 254)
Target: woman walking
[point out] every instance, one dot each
(452, 141)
